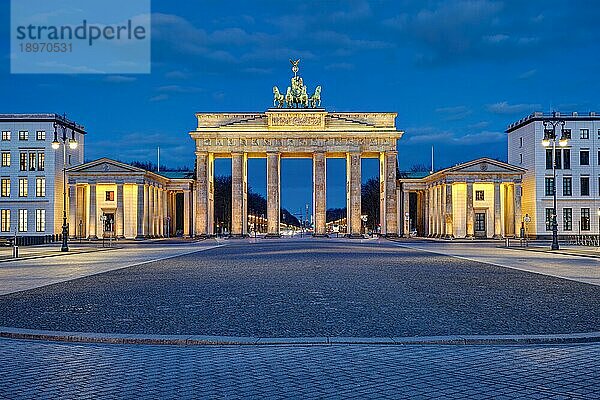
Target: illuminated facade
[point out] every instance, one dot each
(476, 199)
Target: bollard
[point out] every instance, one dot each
(506, 242)
(15, 251)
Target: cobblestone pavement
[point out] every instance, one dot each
(42, 370)
(568, 266)
(19, 275)
(310, 288)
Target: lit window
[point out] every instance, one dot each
(40, 135)
(40, 220)
(6, 158)
(41, 158)
(5, 221)
(110, 195)
(23, 161)
(479, 195)
(22, 220)
(32, 158)
(584, 133)
(585, 219)
(40, 187)
(6, 135)
(5, 191)
(23, 135)
(23, 187)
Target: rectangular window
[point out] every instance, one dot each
(566, 158)
(520, 142)
(548, 219)
(6, 158)
(584, 133)
(23, 161)
(548, 158)
(584, 157)
(567, 133)
(22, 220)
(585, 185)
(40, 135)
(585, 219)
(549, 186)
(23, 189)
(110, 195)
(40, 187)
(567, 186)
(598, 133)
(6, 135)
(5, 221)
(5, 192)
(520, 158)
(557, 160)
(567, 219)
(23, 135)
(32, 158)
(41, 161)
(40, 220)
(479, 195)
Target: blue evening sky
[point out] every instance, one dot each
(456, 72)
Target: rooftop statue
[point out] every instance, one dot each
(296, 95)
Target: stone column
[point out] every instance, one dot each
(165, 213)
(509, 211)
(517, 208)
(273, 194)
(390, 217)
(92, 232)
(201, 225)
(470, 228)
(186, 213)
(449, 225)
(497, 212)
(238, 194)
(210, 183)
(151, 211)
(120, 216)
(157, 212)
(405, 210)
(72, 211)
(353, 192)
(142, 207)
(434, 212)
(426, 212)
(319, 193)
(146, 228)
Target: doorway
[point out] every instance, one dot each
(480, 224)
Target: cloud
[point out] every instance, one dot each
(425, 135)
(454, 113)
(119, 79)
(508, 109)
(177, 74)
(528, 74)
(178, 89)
(160, 97)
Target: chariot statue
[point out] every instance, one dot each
(296, 95)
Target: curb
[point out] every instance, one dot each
(201, 340)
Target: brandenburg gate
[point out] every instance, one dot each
(296, 127)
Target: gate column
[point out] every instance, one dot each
(319, 192)
(353, 191)
(273, 194)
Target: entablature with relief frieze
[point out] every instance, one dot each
(299, 144)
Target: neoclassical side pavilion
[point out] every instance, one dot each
(295, 133)
(479, 198)
(108, 198)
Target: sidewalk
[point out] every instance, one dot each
(48, 250)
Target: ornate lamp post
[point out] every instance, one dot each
(550, 124)
(72, 143)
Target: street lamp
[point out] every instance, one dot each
(550, 125)
(72, 143)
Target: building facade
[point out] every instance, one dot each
(109, 199)
(577, 173)
(31, 172)
(476, 199)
